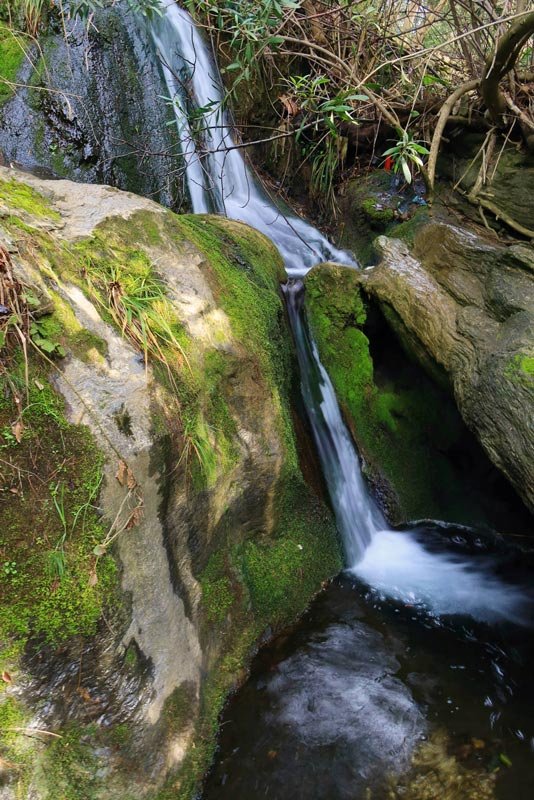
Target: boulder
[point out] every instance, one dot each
(155, 515)
(465, 308)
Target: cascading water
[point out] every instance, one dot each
(218, 178)
(358, 517)
(396, 564)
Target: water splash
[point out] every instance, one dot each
(398, 566)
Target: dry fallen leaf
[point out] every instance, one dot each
(135, 517)
(122, 472)
(17, 430)
(289, 105)
(93, 578)
(131, 482)
(6, 676)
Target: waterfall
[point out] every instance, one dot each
(394, 564)
(357, 515)
(219, 180)
(218, 177)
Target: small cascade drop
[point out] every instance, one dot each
(394, 564)
(357, 515)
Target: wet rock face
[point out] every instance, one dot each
(92, 109)
(466, 306)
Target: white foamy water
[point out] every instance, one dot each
(395, 564)
(399, 567)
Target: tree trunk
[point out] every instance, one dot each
(502, 61)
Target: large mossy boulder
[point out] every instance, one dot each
(464, 307)
(155, 522)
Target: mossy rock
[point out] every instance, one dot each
(406, 427)
(168, 338)
(373, 204)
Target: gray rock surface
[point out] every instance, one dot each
(465, 308)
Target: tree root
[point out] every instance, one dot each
(444, 114)
(501, 215)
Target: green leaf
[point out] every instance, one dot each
(428, 80)
(505, 760)
(276, 40)
(99, 550)
(419, 148)
(45, 344)
(31, 299)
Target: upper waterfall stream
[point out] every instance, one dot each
(219, 180)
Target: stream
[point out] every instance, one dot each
(422, 646)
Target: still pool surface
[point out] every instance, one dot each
(339, 706)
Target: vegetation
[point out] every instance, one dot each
(347, 75)
(29, 15)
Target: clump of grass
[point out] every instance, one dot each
(136, 299)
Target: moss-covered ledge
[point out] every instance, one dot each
(159, 345)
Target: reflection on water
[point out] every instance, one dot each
(339, 706)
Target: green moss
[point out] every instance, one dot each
(376, 212)
(15, 222)
(244, 270)
(70, 768)
(402, 430)
(179, 708)
(12, 718)
(12, 57)
(80, 341)
(407, 230)
(521, 369)
(217, 596)
(53, 479)
(19, 195)
(283, 572)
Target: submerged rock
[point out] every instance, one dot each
(157, 512)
